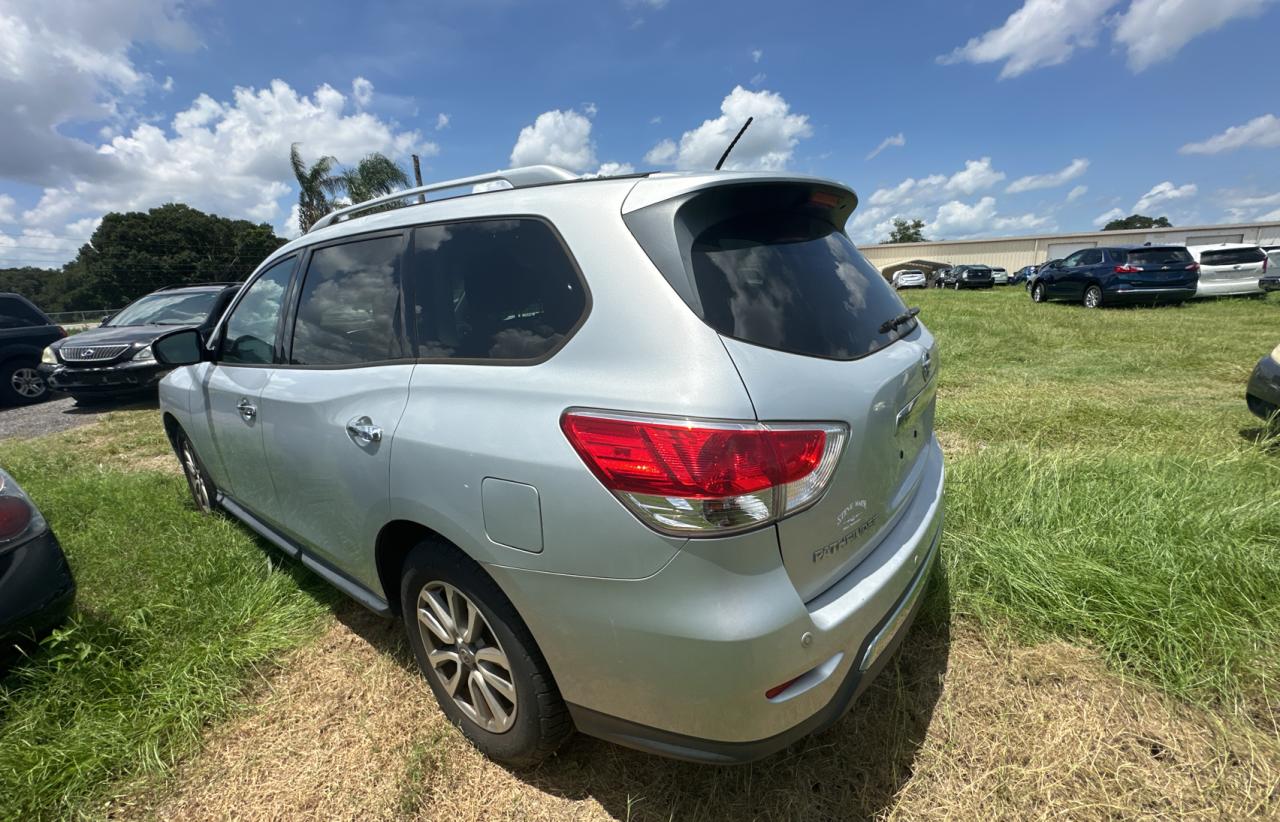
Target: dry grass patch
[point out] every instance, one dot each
(960, 729)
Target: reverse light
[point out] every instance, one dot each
(706, 478)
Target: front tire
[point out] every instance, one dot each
(1038, 293)
(479, 658)
(203, 492)
(1093, 297)
(21, 383)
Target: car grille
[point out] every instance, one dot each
(91, 353)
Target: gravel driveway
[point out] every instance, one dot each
(58, 414)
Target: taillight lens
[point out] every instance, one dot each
(1194, 267)
(703, 478)
(15, 516)
(1127, 269)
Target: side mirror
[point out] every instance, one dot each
(185, 347)
(105, 320)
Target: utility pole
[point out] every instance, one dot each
(417, 176)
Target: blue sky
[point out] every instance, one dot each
(996, 118)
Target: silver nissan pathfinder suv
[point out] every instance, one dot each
(651, 457)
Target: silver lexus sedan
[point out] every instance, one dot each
(651, 457)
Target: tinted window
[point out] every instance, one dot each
(492, 289)
(17, 314)
(792, 282)
(1091, 257)
(249, 335)
(349, 312)
(1233, 256)
(1156, 256)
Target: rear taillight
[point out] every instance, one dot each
(1127, 269)
(1194, 267)
(704, 478)
(15, 516)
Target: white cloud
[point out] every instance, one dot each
(1260, 132)
(561, 138)
(656, 5)
(589, 109)
(898, 140)
(756, 54)
(663, 154)
(1076, 193)
(976, 176)
(957, 221)
(1053, 179)
(1163, 193)
(758, 78)
(612, 169)
(442, 121)
(1107, 216)
(228, 157)
(8, 208)
(362, 91)
(70, 62)
(167, 85)
(1041, 33)
(655, 120)
(1155, 30)
(767, 145)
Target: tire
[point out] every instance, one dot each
(21, 383)
(537, 721)
(1092, 297)
(1037, 293)
(204, 493)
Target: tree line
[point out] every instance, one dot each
(134, 253)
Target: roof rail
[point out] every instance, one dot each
(515, 177)
(198, 285)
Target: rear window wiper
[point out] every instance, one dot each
(902, 319)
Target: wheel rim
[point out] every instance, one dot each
(195, 479)
(465, 654)
(1092, 297)
(27, 383)
(1037, 293)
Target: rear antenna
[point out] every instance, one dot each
(741, 131)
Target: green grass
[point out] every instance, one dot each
(175, 612)
(1108, 486)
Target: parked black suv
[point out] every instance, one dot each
(115, 359)
(968, 276)
(24, 332)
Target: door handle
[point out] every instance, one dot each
(247, 409)
(362, 430)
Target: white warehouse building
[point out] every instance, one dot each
(1012, 253)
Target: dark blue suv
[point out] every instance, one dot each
(1094, 277)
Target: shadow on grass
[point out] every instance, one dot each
(146, 401)
(854, 770)
(1267, 439)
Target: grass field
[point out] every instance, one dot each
(1106, 638)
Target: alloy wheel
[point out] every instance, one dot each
(1037, 293)
(1092, 297)
(195, 478)
(466, 655)
(28, 383)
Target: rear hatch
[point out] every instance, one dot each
(1228, 264)
(803, 316)
(1157, 267)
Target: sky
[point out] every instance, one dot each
(991, 118)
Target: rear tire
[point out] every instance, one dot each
(21, 383)
(1037, 293)
(470, 666)
(1093, 297)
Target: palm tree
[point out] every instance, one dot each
(374, 176)
(315, 184)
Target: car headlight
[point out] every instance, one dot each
(48, 357)
(1275, 353)
(144, 355)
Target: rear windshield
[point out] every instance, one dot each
(1233, 256)
(792, 282)
(1154, 256)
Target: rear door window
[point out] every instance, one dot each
(1233, 256)
(492, 290)
(350, 309)
(792, 282)
(17, 314)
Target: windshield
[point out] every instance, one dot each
(792, 282)
(179, 308)
(1154, 256)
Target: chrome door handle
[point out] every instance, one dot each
(362, 430)
(247, 409)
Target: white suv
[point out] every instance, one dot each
(1229, 269)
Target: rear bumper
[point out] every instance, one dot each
(1263, 393)
(1129, 294)
(976, 284)
(36, 589)
(1270, 283)
(110, 379)
(1227, 288)
(678, 663)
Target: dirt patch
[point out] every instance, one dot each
(955, 729)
